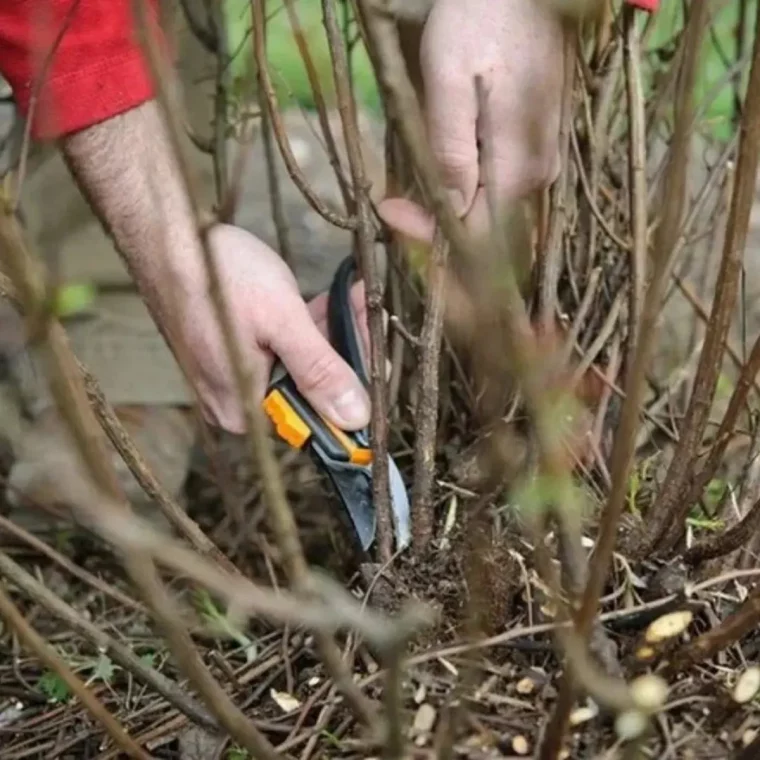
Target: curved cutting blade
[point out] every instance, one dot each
(400, 506)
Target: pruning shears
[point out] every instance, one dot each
(345, 456)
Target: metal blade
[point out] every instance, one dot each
(400, 506)
(355, 489)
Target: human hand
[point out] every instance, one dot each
(270, 319)
(516, 47)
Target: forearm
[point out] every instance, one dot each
(126, 169)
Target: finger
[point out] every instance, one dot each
(521, 141)
(451, 112)
(408, 218)
(318, 310)
(329, 384)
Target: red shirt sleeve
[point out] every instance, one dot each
(81, 57)
(645, 5)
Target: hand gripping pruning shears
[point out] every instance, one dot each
(345, 456)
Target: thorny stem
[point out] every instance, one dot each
(281, 516)
(365, 239)
(625, 439)
(665, 521)
(51, 659)
(262, 66)
(426, 414)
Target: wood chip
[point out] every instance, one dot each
(286, 702)
(520, 745)
(525, 686)
(747, 686)
(583, 714)
(424, 719)
(668, 626)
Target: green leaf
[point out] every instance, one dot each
(237, 753)
(714, 493)
(148, 659)
(725, 387)
(104, 669)
(74, 298)
(53, 687)
(220, 623)
(537, 494)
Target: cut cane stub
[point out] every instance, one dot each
(649, 692)
(520, 745)
(631, 724)
(584, 714)
(668, 626)
(645, 653)
(747, 686)
(525, 686)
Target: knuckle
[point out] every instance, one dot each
(320, 372)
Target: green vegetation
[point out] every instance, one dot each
(718, 56)
(291, 82)
(287, 69)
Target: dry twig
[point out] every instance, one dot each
(665, 521)
(625, 438)
(365, 240)
(426, 417)
(47, 655)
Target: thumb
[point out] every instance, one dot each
(329, 384)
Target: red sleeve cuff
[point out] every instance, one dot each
(645, 5)
(97, 69)
(75, 101)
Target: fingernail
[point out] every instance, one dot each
(351, 409)
(457, 201)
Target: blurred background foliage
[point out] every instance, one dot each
(722, 49)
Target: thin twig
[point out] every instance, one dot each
(665, 521)
(637, 176)
(426, 415)
(365, 240)
(70, 567)
(52, 660)
(121, 654)
(280, 134)
(319, 103)
(123, 443)
(625, 438)
(260, 448)
(727, 426)
(552, 254)
(731, 630)
(275, 194)
(221, 177)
